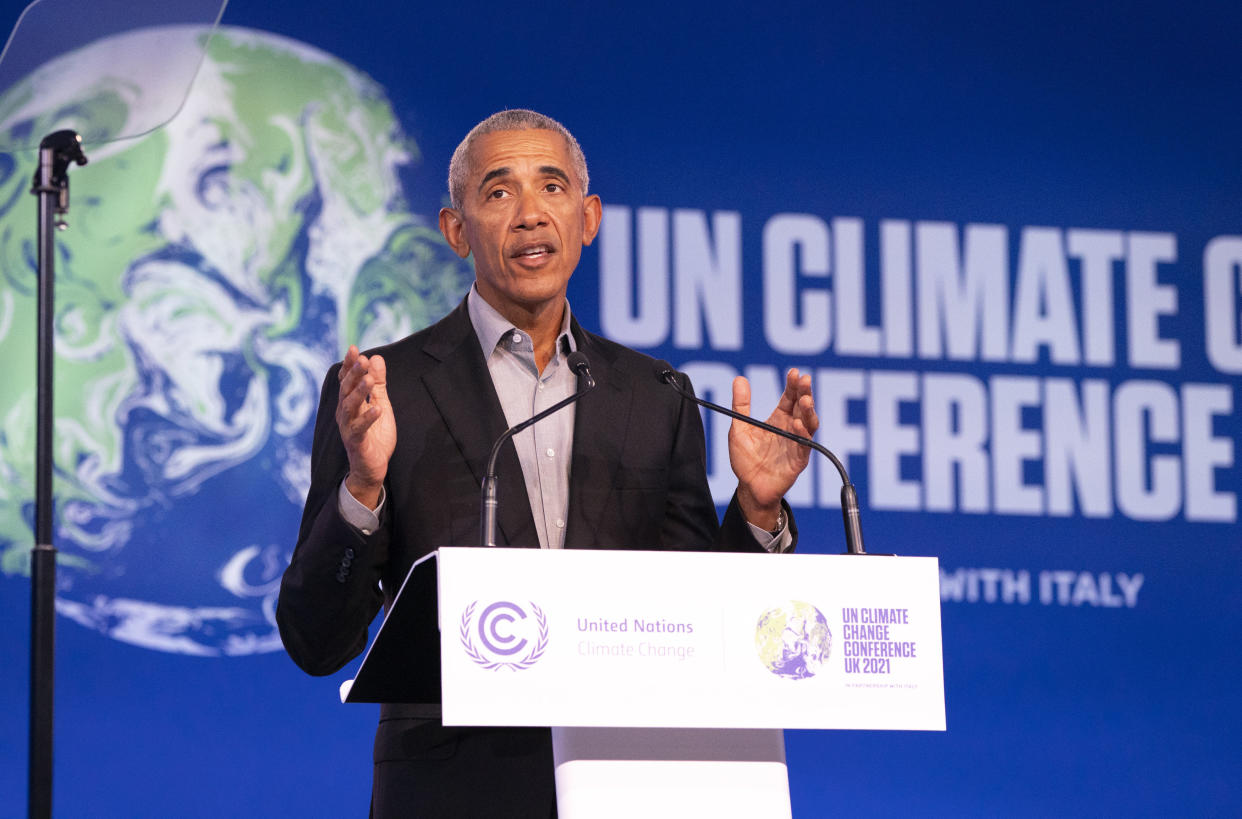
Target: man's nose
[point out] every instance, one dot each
(531, 212)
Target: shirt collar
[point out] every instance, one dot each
(490, 327)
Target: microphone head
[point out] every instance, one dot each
(665, 372)
(580, 364)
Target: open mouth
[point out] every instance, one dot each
(534, 251)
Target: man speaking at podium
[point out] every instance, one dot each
(404, 431)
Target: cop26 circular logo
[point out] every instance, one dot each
(793, 641)
(507, 637)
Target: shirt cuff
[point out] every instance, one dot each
(356, 514)
(774, 543)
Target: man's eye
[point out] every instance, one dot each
(554, 187)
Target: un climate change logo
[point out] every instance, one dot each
(504, 631)
(793, 641)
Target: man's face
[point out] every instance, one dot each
(525, 219)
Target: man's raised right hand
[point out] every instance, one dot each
(365, 420)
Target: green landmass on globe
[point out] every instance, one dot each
(213, 271)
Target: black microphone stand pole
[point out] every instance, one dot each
(489, 503)
(51, 185)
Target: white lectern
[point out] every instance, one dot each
(666, 675)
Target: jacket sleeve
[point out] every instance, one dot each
(330, 592)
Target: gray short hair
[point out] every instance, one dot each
(515, 119)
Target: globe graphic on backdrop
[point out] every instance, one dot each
(793, 640)
(213, 271)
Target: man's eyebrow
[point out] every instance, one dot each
(504, 170)
(552, 170)
(492, 174)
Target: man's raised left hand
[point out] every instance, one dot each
(767, 465)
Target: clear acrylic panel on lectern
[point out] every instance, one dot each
(108, 69)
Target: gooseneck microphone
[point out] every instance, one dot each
(489, 503)
(577, 362)
(849, 497)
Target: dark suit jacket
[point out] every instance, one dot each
(638, 481)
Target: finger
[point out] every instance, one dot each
(804, 385)
(353, 401)
(351, 368)
(355, 391)
(741, 395)
(805, 407)
(356, 375)
(790, 396)
(806, 416)
(357, 426)
(378, 379)
(351, 355)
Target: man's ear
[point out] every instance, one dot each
(592, 212)
(453, 226)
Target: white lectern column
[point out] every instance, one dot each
(654, 773)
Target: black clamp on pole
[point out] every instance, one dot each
(56, 152)
(51, 185)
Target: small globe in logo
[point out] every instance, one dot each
(793, 641)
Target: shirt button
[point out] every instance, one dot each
(551, 452)
(560, 524)
(540, 385)
(517, 338)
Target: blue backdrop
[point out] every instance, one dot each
(1004, 239)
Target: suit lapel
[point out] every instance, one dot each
(600, 426)
(462, 390)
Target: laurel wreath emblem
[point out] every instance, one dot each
(532, 656)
